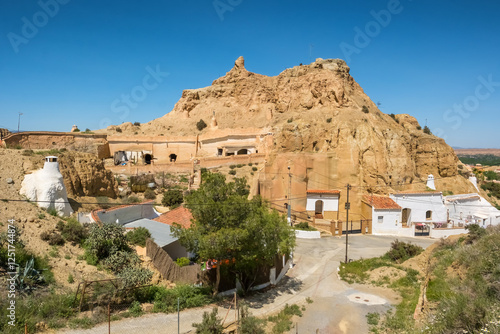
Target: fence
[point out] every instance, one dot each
(168, 268)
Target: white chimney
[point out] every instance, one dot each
(430, 182)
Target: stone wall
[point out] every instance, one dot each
(45, 140)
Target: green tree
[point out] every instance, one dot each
(138, 236)
(427, 130)
(172, 198)
(229, 226)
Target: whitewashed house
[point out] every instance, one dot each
(323, 204)
(422, 208)
(471, 209)
(384, 213)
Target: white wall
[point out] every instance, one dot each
(446, 232)
(330, 202)
(391, 223)
(461, 210)
(420, 204)
(307, 234)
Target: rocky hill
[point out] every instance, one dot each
(321, 118)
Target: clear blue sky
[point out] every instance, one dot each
(77, 62)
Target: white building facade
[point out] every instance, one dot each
(421, 208)
(385, 215)
(471, 209)
(323, 203)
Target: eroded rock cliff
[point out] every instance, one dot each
(85, 175)
(317, 108)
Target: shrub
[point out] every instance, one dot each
(138, 236)
(134, 276)
(137, 123)
(240, 165)
(419, 127)
(118, 130)
(149, 194)
(120, 260)
(70, 279)
(201, 125)
(475, 232)
(73, 231)
(52, 212)
(210, 324)
(56, 239)
(172, 198)
(304, 226)
(60, 225)
(131, 200)
(249, 323)
(282, 320)
(373, 318)
(27, 152)
(254, 169)
(106, 240)
(329, 120)
(232, 172)
(53, 238)
(401, 251)
(135, 309)
(290, 120)
(232, 166)
(427, 130)
(365, 109)
(182, 261)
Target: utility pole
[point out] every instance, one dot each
(347, 207)
(19, 122)
(289, 197)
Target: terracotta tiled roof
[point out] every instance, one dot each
(180, 215)
(380, 202)
(417, 192)
(317, 191)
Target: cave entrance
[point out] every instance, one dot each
(147, 158)
(242, 151)
(173, 157)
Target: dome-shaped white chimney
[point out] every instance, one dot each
(430, 182)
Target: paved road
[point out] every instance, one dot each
(337, 307)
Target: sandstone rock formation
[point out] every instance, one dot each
(4, 133)
(321, 117)
(85, 175)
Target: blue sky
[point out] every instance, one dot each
(72, 62)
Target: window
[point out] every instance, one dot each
(380, 219)
(428, 215)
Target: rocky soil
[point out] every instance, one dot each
(32, 221)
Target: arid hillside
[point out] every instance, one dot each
(32, 221)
